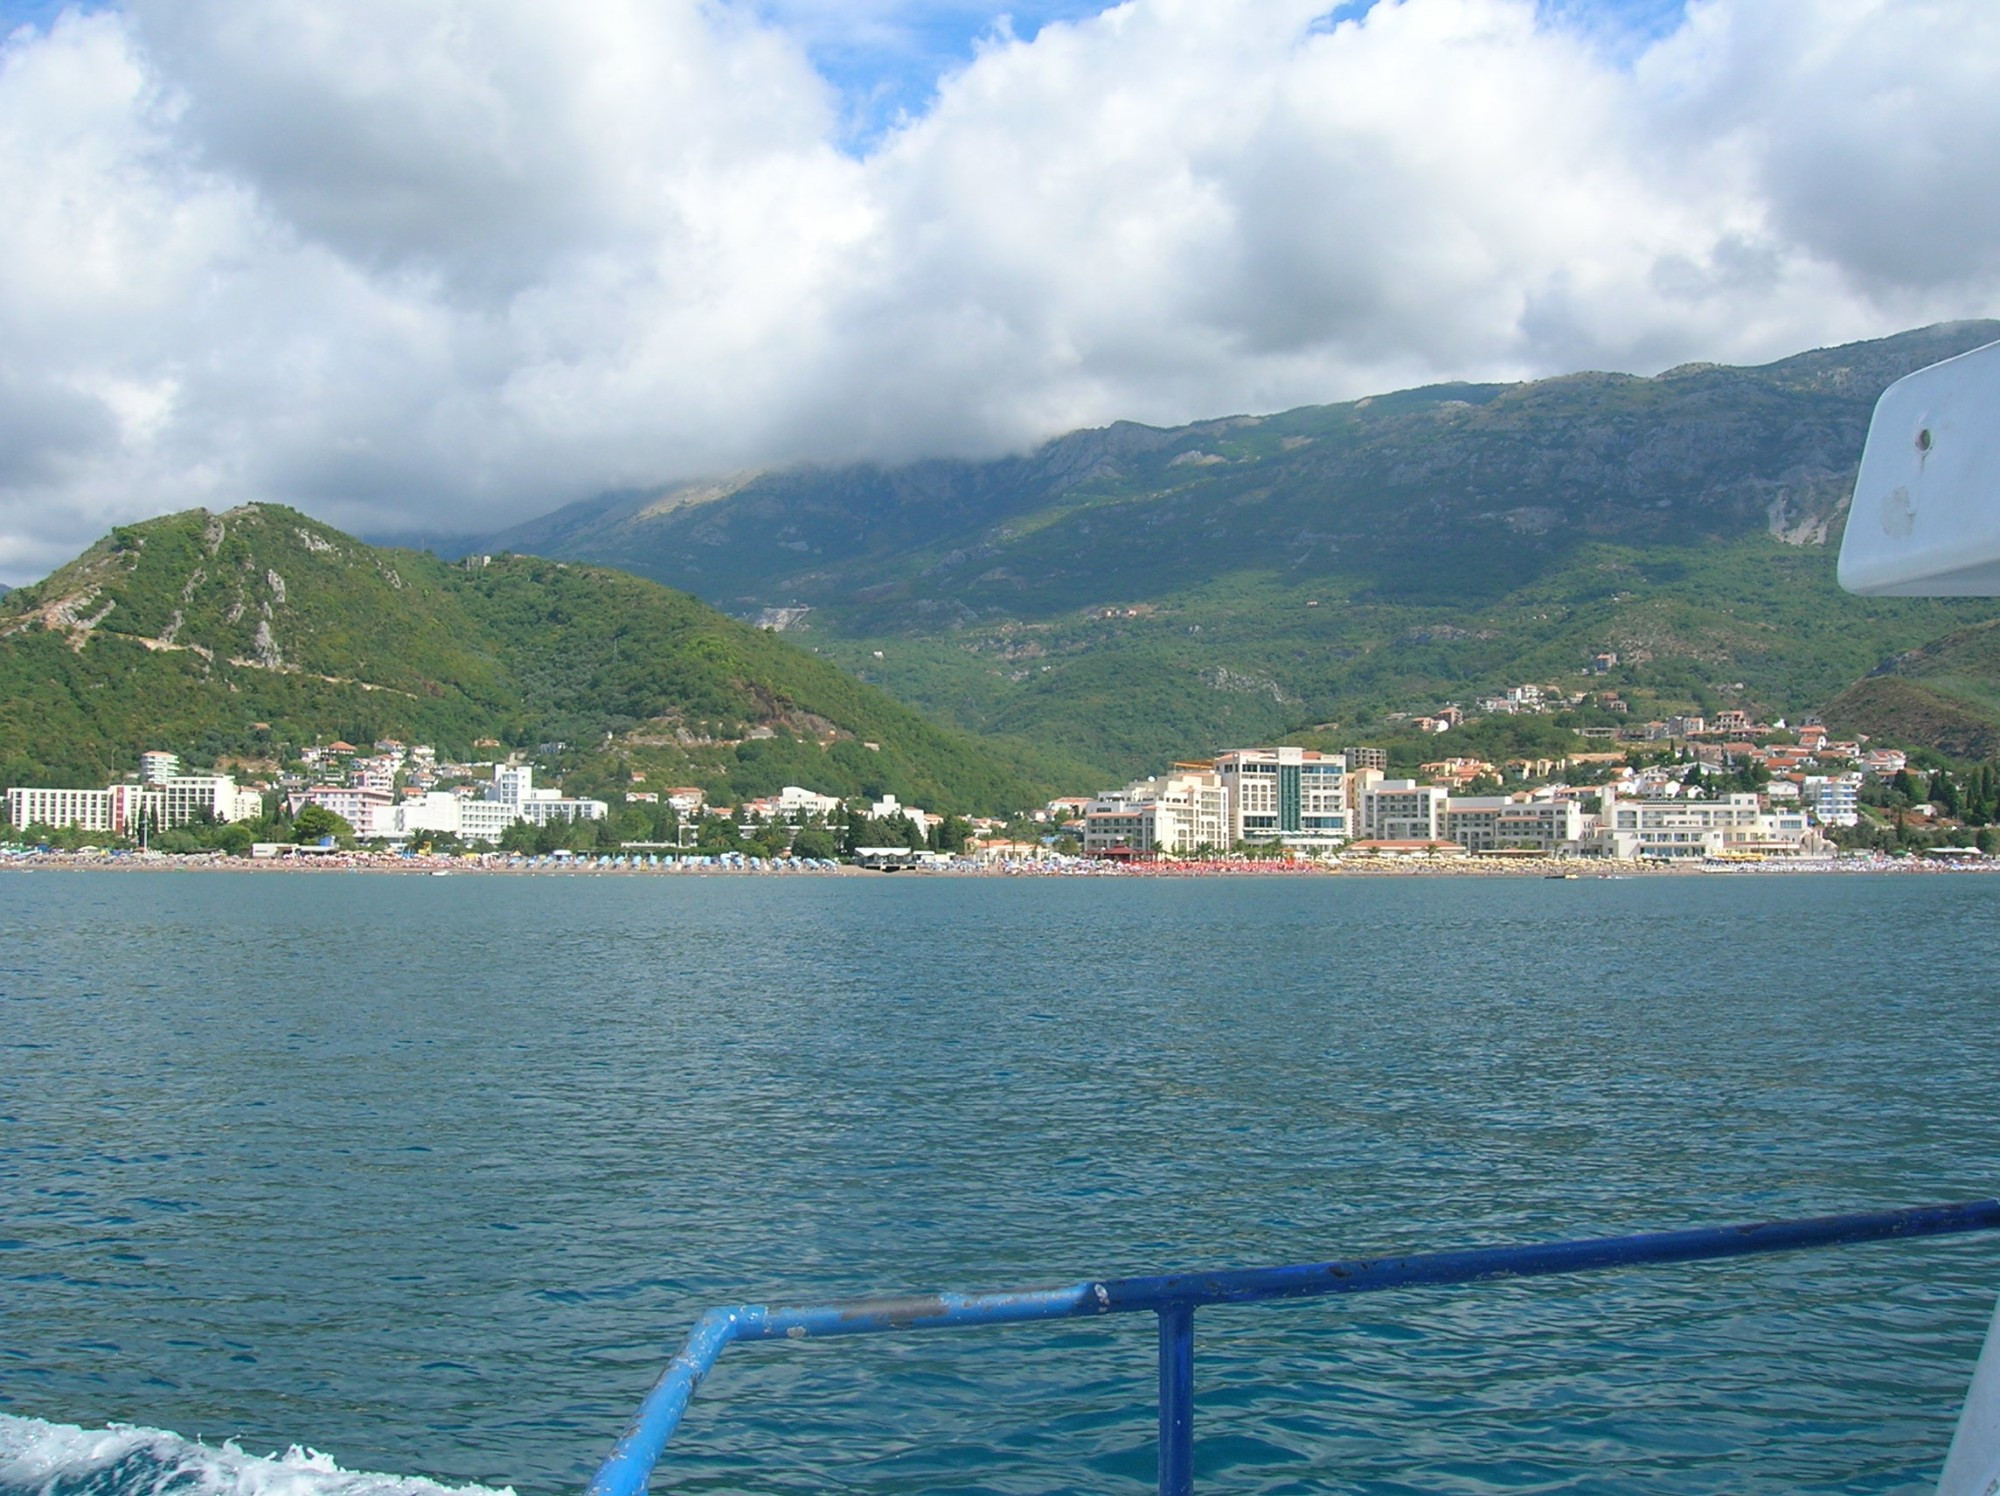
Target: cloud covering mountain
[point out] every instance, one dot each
(430, 264)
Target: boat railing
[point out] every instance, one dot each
(1174, 1298)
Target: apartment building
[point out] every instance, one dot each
(1834, 799)
(357, 806)
(1514, 823)
(156, 767)
(87, 810)
(1294, 797)
(1700, 828)
(514, 787)
(1172, 814)
(1401, 810)
(120, 809)
(440, 813)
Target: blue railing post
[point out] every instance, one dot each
(1174, 1297)
(1177, 1399)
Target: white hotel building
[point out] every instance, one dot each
(440, 813)
(514, 786)
(1174, 814)
(1514, 823)
(88, 810)
(1834, 798)
(510, 798)
(1399, 809)
(1292, 797)
(120, 809)
(1629, 829)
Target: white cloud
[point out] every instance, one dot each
(450, 263)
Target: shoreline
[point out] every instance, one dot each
(1548, 868)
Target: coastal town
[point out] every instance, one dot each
(1683, 790)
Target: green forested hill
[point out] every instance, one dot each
(1944, 695)
(238, 634)
(1136, 595)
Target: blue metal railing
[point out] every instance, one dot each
(1174, 1297)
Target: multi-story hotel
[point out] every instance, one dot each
(1513, 823)
(87, 810)
(1175, 814)
(121, 809)
(1401, 810)
(1294, 797)
(186, 798)
(440, 813)
(155, 767)
(514, 787)
(1630, 829)
(352, 803)
(1834, 798)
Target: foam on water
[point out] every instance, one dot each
(57, 1459)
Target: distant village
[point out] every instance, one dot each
(1694, 801)
(1721, 788)
(395, 794)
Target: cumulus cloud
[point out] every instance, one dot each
(446, 264)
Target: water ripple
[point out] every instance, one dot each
(436, 1175)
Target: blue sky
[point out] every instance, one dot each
(15, 13)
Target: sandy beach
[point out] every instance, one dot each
(503, 865)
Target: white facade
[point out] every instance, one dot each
(514, 787)
(886, 807)
(483, 820)
(1175, 814)
(1630, 829)
(88, 810)
(356, 806)
(1834, 799)
(795, 803)
(435, 813)
(1513, 823)
(118, 809)
(547, 806)
(512, 783)
(1402, 810)
(441, 813)
(1294, 797)
(187, 798)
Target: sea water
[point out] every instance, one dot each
(330, 1173)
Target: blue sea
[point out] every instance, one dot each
(303, 1177)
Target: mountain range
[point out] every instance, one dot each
(242, 635)
(1133, 594)
(1111, 602)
